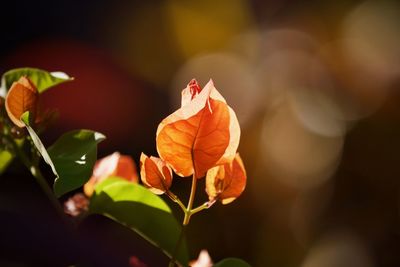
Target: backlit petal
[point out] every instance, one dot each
(22, 96)
(155, 174)
(203, 133)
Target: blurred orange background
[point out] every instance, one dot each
(314, 85)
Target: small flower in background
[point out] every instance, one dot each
(76, 205)
(1, 117)
(113, 165)
(135, 262)
(204, 260)
(23, 96)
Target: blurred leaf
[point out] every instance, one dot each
(5, 159)
(74, 155)
(232, 262)
(71, 157)
(42, 79)
(145, 213)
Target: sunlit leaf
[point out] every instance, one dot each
(74, 155)
(145, 213)
(232, 262)
(42, 79)
(22, 97)
(26, 119)
(155, 174)
(71, 157)
(113, 165)
(203, 133)
(226, 182)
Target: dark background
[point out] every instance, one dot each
(315, 88)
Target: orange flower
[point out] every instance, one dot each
(1, 106)
(226, 182)
(155, 174)
(202, 134)
(136, 262)
(76, 205)
(22, 96)
(112, 165)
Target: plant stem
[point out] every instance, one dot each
(35, 171)
(47, 190)
(186, 219)
(188, 212)
(206, 205)
(176, 199)
(178, 244)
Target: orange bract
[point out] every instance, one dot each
(226, 182)
(202, 134)
(112, 165)
(22, 96)
(155, 174)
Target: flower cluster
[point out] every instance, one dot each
(199, 139)
(23, 96)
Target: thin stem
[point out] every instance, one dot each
(199, 208)
(178, 244)
(35, 171)
(186, 219)
(176, 199)
(46, 189)
(188, 212)
(206, 205)
(20, 154)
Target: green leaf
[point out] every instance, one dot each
(26, 119)
(74, 155)
(6, 156)
(145, 213)
(41, 78)
(232, 262)
(5, 159)
(71, 157)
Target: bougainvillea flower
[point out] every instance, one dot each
(76, 205)
(136, 262)
(202, 134)
(1, 106)
(22, 96)
(226, 182)
(204, 260)
(112, 165)
(155, 174)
